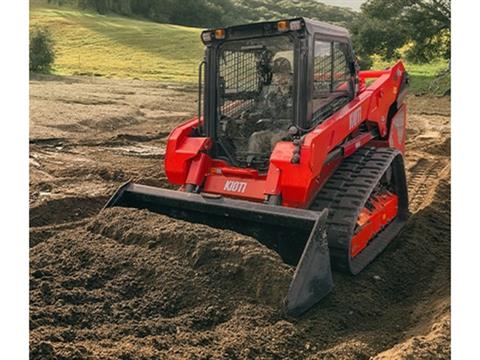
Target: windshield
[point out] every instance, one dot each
(255, 92)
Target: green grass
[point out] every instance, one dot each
(423, 77)
(114, 46)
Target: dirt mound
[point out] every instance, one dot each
(133, 284)
(135, 275)
(58, 211)
(434, 345)
(129, 284)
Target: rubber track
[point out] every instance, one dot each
(345, 194)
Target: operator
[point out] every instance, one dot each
(276, 103)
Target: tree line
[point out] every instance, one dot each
(212, 13)
(421, 28)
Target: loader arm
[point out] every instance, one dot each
(325, 145)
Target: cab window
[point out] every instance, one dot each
(331, 76)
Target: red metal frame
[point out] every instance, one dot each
(186, 160)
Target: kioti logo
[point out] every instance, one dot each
(235, 186)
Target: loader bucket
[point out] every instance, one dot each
(298, 235)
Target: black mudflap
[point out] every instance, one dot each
(346, 193)
(298, 235)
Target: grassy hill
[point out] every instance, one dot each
(424, 78)
(114, 46)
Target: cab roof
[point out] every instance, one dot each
(269, 28)
(323, 28)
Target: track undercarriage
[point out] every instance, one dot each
(368, 205)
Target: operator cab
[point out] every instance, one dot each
(271, 82)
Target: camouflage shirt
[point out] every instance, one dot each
(276, 98)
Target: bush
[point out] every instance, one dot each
(42, 53)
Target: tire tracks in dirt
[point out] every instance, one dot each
(428, 156)
(423, 180)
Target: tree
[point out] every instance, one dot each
(420, 26)
(213, 13)
(42, 54)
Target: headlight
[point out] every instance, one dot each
(207, 36)
(295, 25)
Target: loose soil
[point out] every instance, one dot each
(130, 284)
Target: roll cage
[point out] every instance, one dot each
(305, 37)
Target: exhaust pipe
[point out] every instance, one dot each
(298, 235)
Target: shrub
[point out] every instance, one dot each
(42, 53)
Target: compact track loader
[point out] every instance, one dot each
(292, 147)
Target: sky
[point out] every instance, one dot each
(354, 4)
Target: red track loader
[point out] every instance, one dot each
(292, 145)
